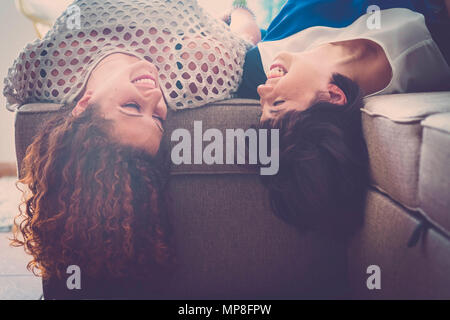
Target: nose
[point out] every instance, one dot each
(151, 97)
(155, 103)
(264, 90)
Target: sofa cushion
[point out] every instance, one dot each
(229, 244)
(391, 127)
(229, 114)
(28, 120)
(418, 272)
(245, 113)
(392, 130)
(434, 173)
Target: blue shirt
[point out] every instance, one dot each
(297, 15)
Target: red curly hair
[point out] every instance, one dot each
(92, 202)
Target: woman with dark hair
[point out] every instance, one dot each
(318, 60)
(96, 173)
(323, 169)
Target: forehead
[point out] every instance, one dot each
(116, 58)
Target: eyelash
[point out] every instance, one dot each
(277, 103)
(132, 105)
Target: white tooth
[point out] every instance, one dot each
(277, 72)
(145, 80)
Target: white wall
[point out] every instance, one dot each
(15, 32)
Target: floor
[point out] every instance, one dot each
(16, 282)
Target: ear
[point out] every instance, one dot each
(82, 104)
(336, 95)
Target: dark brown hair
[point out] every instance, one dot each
(323, 175)
(92, 202)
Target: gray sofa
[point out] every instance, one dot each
(230, 245)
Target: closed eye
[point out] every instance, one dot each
(131, 109)
(278, 103)
(132, 105)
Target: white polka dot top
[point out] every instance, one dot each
(199, 59)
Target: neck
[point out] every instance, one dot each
(363, 61)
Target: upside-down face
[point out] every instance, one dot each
(126, 90)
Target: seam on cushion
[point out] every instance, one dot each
(39, 112)
(430, 220)
(436, 129)
(237, 102)
(434, 224)
(415, 212)
(227, 102)
(56, 107)
(381, 190)
(396, 120)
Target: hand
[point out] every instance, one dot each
(243, 23)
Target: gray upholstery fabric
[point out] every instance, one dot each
(393, 134)
(27, 124)
(407, 107)
(440, 122)
(394, 151)
(238, 249)
(237, 114)
(420, 272)
(434, 174)
(231, 246)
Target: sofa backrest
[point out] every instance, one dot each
(406, 232)
(229, 244)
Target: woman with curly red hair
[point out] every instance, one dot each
(95, 203)
(96, 172)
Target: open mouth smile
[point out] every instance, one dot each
(145, 80)
(276, 71)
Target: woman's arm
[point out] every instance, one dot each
(244, 24)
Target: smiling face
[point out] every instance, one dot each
(294, 82)
(126, 90)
